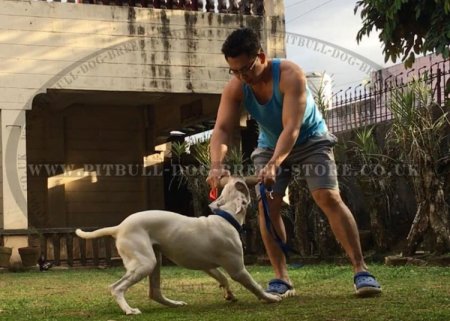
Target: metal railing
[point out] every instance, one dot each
(367, 104)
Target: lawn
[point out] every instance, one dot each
(325, 293)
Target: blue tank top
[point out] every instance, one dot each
(268, 116)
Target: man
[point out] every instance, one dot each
(292, 133)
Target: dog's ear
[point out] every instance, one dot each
(242, 187)
(245, 199)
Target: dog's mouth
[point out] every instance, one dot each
(213, 206)
(235, 196)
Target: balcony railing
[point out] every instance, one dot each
(245, 7)
(62, 247)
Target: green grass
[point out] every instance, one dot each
(325, 293)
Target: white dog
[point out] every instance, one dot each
(203, 243)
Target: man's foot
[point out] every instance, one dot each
(366, 284)
(281, 288)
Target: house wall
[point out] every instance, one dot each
(58, 47)
(87, 170)
(80, 46)
(1, 176)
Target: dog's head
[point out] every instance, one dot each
(235, 196)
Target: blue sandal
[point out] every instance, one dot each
(366, 284)
(280, 287)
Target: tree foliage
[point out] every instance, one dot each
(407, 27)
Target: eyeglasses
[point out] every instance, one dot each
(244, 70)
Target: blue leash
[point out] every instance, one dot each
(283, 246)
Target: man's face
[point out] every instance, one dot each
(244, 67)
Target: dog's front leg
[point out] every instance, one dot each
(155, 284)
(243, 277)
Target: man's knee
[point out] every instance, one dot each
(327, 198)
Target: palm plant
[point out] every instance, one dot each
(235, 160)
(177, 150)
(417, 134)
(322, 102)
(367, 154)
(200, 151)
(194, 172)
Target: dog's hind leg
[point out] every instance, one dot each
(155, 284)
(223, 283)
(139, 261)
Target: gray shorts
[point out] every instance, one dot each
(313, 160)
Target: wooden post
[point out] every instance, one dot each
(82, 251)
(69, 244)
(56, 248)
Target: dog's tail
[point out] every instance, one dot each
(107, 231)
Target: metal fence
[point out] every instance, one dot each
(367, 104)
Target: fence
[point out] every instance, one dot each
(246, 7)
(63, 247)
(367, 103)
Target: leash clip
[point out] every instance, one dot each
(270, 193)
(258, 190)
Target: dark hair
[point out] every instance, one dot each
(241, 41)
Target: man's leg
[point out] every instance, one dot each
(281, 284)
(344, 228)
(317, 158)
(276, 255)
(342, 224)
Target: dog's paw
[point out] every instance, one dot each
(230, 297)
(132, 311)
(272, 298)
(177, 303)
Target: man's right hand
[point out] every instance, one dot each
(268, 174)
(215, 175)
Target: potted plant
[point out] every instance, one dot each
(30, 254)
(5, 255)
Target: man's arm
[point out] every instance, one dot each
(226, 121)
(293, 87)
